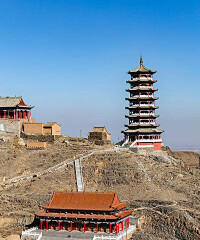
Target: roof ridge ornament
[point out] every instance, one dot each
(141, 61)
(141, 69)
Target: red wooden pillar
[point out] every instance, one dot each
(71, 226)
(116, 228)
(122, 225)
(58, 225)
(97, 227)
(41, 224)
(4, 113)
(14, 113)
(84, 227)
(47, 225)
(110, 228)
(128, 222)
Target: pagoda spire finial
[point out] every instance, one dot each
(141, 61)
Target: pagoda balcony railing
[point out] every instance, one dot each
(142, 105)
(136, 114)
(146, 96)
(141, 87)
(149, 140)
(143, 78)
(121, 235)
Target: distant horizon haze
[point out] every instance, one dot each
(69, 59)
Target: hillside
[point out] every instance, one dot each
(163, 191)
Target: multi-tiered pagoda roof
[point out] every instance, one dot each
(142, 126)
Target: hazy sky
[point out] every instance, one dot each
(69, 59)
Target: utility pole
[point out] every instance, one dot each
(80, 133)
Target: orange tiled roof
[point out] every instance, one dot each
(86, 216)
(94, 201)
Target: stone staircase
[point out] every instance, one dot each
(79, 176)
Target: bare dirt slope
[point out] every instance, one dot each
(163, 192)
(191, 159)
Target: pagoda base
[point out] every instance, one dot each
(149, 145)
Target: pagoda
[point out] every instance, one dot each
(142, 129)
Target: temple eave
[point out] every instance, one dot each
(25, 106)
(86, 216)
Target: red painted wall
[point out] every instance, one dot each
(157, 146)
(144, 144)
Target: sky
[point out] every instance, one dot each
(69, 59)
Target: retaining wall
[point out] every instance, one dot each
(38, 138)
(9, 127)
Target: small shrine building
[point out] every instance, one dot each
(14, 108)
(85, 211)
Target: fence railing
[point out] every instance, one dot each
(30, 233)
(119, 236)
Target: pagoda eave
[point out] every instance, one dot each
(141, 72)
(144, 131)
(142, 98)
(142, 107)
(142, 90)
(141, 80)
(142, 125)
(142, 116)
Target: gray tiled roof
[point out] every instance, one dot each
(142, 69)
(144, 130)
(6, 102)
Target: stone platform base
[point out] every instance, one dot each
(37, 234)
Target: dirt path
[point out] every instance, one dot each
(55, 167)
